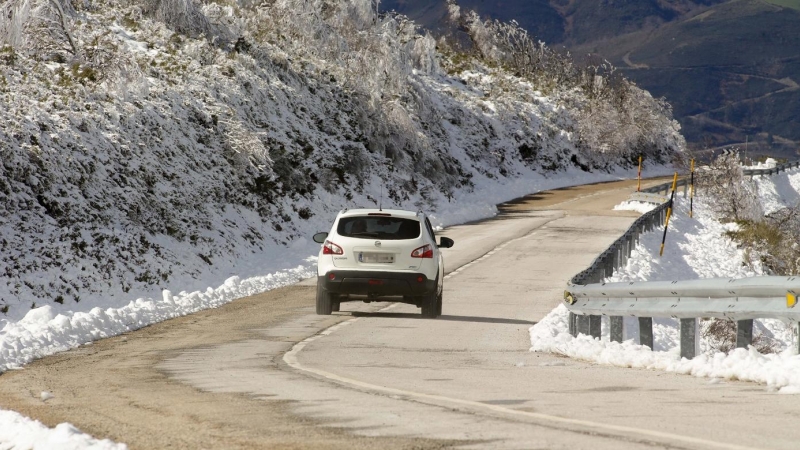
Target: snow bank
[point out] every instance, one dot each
(695, 248)
(20, 433)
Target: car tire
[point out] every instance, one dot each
(439, 304)
(324, 301)
(335, 305)
(431, 305)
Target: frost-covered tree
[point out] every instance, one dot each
(183, 16)
(614, 118)
(729, 194)
(40, 27)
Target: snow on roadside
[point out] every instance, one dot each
(43, 332)
(778, 191)
(20, 433)
(695, 248)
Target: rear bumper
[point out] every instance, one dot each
(376, 284)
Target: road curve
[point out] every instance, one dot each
(266, 372)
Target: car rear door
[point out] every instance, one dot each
(378, 242)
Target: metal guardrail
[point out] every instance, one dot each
(777, 169)
(588, 298)
(619, 252)
(738, 299)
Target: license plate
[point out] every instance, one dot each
(376, 258)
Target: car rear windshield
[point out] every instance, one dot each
(378, 227)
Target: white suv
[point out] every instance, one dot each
(370, 254)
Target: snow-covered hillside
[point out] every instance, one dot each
(171, 144)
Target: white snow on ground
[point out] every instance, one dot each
(769, 163)
(20, 433)
(640, 207)
(778, 191)
(695, 248)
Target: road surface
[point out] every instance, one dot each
(266, 372)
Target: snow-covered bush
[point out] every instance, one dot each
(614, 119)
(730, 195)
(772, 241)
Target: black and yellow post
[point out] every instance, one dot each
(669, 212)
(691, 191)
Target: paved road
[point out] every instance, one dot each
(266, 372)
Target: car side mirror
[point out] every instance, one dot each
(445, 242)
(319, 238)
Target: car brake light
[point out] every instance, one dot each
(426, 251)
(329, 248)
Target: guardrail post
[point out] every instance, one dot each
(688, 338)
(797, 337)
(616, 328)
(571, 324)
(646, 331)
(744, 333)
(582, 325)
(594, 326)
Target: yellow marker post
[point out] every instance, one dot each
(669, 212)
(691, 191)
(791, 300)
(639, 177)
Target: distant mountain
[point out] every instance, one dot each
(730, 68)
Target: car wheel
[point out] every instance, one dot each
(439, 304)
(324, 303)
(430, 305)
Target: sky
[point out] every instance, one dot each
(696, 248)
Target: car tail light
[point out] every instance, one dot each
(329, 248)
(426, 251)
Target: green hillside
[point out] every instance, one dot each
(787, 3)
(731, 72)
